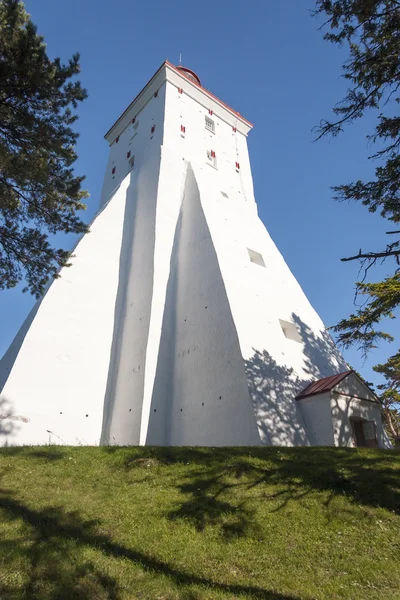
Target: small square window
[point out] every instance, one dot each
(256, 257)
(290, 331)
(210, 125)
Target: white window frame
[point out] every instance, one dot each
(210, 128)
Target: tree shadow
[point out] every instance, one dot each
(53, 565)
(54, 572)
(369, 478)
(8, 420)
(45, 453)
(208, 502)
(274, 386)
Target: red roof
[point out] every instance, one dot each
(323, 385)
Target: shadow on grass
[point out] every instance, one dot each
(205, 506)
(46, 453)
(56, 538)
(366, 477)
(52, 549)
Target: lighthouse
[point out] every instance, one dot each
(179, 322)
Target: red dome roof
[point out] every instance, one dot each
(189, 74)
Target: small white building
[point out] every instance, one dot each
(179, 322)
(341, 410)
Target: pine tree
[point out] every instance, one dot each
(371, 31)
(39, 193)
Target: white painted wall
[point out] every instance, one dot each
(343, 408)
(163, 331)
(54, 375)
(317, 415)
(353, 386)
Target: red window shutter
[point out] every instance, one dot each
(234, 129)
(180, 91)
(183, 128)
(237, 165)
(113, 170)
(133, 120)
(117, 139)
(153, 129)
(210, 111)
(128, 154)
(212, 153)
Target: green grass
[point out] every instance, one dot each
(199, 523)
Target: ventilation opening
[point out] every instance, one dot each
(212, 158)
(225, 195)
(256, 257)
(210, 125)
(290, 331)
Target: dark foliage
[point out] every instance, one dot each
(39, 193)
(371, 31)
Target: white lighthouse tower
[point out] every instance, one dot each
(179, 322)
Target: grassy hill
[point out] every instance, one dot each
(199, 523)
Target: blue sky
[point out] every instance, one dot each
(267, 60)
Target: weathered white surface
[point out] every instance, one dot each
(164, 331)
(351, 398)
(317, 414)
(344, 408)
(55, 371)
(328, 415)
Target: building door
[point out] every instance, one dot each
(364, 433)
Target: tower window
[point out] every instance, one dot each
(113, 170)
(132, 161)
(256, 257)
(153, 128)
(225, 195)
(210, 125)
(212, 158)
(156, 94)
(183, 129)
(290, 331)
(237, 166)
(135, 123)
(128, 154)
(117, 139)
